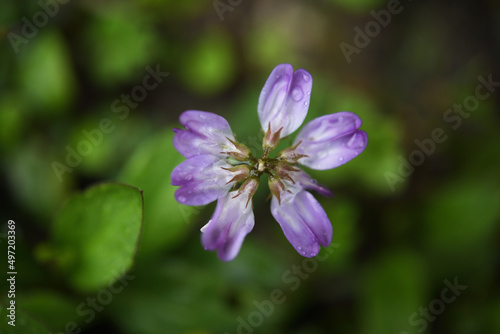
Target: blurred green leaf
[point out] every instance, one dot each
(33, 180)
(11, 121)
(269, 45)
(149, 168)
(359, 6)
(210, 63)
(343, 214)
(393, 287)
(119, 42)
(23, 323)
(460, 220)
(198, 292)
(55, 309)
(46, 77)
(96, 234)
(111, 148)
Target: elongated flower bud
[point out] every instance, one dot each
(291, 155)
(249, 187)
(240, 172)
(242, 153)
(271, 140)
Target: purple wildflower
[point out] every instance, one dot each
(219, 168)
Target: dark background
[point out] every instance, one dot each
(402, 233)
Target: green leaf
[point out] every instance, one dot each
(392, 288)
(460, 220)
(96, 234)
(23, 323)
(46, 77)
(54, 308)
(149, 168)
(210, 64)
(130, 44)
(358, 6)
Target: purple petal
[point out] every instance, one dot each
(331, 140)
(284, 100)
(202, 180)
(232, 220)
(303, 221)
(307, 182)
(205, 133)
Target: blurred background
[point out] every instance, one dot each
(90, 92)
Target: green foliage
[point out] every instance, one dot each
(149, 168)
(391, 250)
(23, 323)
(54, 309)
(36, 184)
(390, 292)
(358, 6)
(46, 77)
(209, 66)
(96, 234)
(119, 42)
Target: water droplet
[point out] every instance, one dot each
(202, 116)
(305, 103)
(188, 178)
(182, 199)
(341, 158)
(322, 155)
(312, 254)
(308, 93)
(306, 77)
(304, 252)
(299, 248)
(297, 94)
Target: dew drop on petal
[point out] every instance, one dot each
(182, 199)
(306, 77)
(188, 178)
(322, 155)
(312, 254)
(341, 158)
(305, 103)
(297, 94)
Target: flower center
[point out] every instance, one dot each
(261, 165)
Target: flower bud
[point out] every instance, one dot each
(283, 170)
(271, 140)
(276, 186)
(290, 155)
(242, 153)
(240, 172)
(249, 187)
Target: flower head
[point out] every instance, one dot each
(219, 168)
